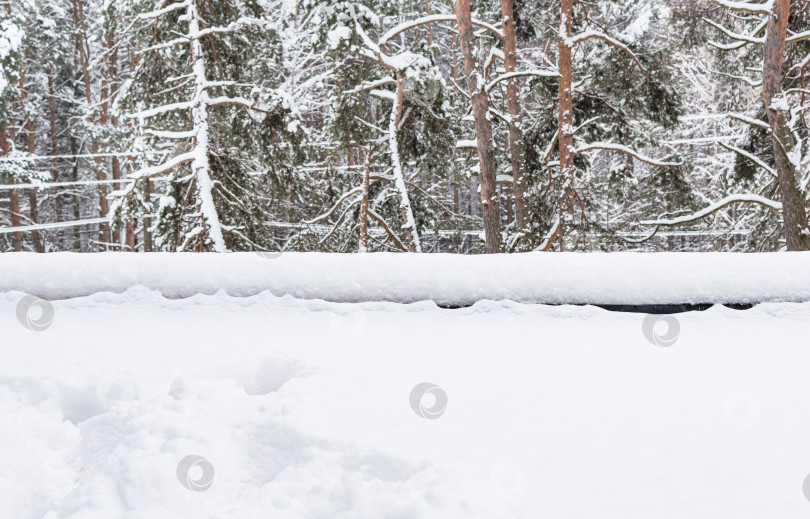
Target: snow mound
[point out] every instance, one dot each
(447, 279)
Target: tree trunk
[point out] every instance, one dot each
(30, 134)
(483, 128)
(108, 92)
(515, 130)
(793, 207)
(200, 166)
(147, 222)
(74, 176)
(84, 58)
(399, 176)
(32, 193)
(130, 235)
(54, 143)
(364, 203)
(14, 200)
(566, 126)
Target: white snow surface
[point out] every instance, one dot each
(447, 279)
(302, 408)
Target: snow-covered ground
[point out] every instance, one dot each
(304, 409)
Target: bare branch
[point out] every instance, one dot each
(373, 214)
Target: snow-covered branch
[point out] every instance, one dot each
(160, 12)
(535, 73)
(337, 204)
(176, 41)
(741, 39)
(369, 85)
(749, 120)
(432, 19)
(233, 26)
(172, 135)
(756, 160)
(746, 7)
(802, 36)
(162, 168)
(624, 149)
(731, 199)
(239, 101)
(184, 105)
(588, 35)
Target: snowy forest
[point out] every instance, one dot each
(404, 125)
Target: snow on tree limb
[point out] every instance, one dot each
(802, 64)
(171, 135)
(750, 82)
(802, 36)
(340, 219)
(54, 225)
(369, 85)
(763, 126)
(742, 39)
(239, 101)
(151, 171)
(753, 122)
(184, 105)
(550, 235)
(176, 41)
(431, 19)
(727, 46)
(231, 27)
(337, 204)
(756, 160)
(590, 34)
(160, 12)
(746, 7)
(384, 94)
(535, 73)
(624, 149)
(731, 199)
(144, 173)
(470, 144)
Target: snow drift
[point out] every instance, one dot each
(447, 279)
